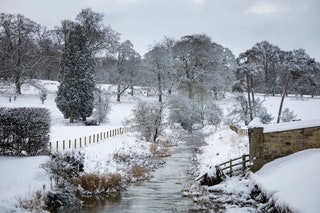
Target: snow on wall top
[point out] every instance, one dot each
(279, 127)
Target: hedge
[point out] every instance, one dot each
(24, 131)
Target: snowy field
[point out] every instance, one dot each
(21, 178)
(222, 144)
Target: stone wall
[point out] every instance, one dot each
(265, 147)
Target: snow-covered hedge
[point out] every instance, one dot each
(24, 131)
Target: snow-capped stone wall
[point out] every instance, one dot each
(269, 142)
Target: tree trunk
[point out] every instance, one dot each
(282, 98)
(249, 98)
(253, 101)
(118, 93)
(159, 87)
(131, 91)
(71, 119)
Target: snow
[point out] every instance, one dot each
(21, 177)
(99, 158)
(291, 125)
(306, 108)
(293, 181)
(223, 144)
(278, 127)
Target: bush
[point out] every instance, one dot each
(287, 115)
(148, 118)
(95, 183)
(24, 131)
(35, 204)
(159, 151)
(138, 172)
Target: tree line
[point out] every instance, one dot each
(84, 52)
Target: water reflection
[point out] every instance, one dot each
(95, 203)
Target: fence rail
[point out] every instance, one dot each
(91, 139)
(235, 166)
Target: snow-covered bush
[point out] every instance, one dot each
(43, 95)
(148, 118)
(34, 204)
(24, 131)
(101, 105)
(183, 111)
(65, 167)
(263, 114)
(287, 115)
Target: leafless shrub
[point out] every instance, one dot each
(35, 204)
(159, 151)
(138, 172)
(163, 152)
(153, 148)
(95, 183)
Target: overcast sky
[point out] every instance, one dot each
(235, 24)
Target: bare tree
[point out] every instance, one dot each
(20, 54)
(126, 58)
(156, 61)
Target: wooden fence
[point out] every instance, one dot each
(84, 141)
(235, 166)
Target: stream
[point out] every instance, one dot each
(162, 193)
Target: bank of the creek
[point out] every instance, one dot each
(162, 193)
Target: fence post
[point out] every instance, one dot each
(90, 139)
(69, 144)
(57, 146)
(94, 138)
(230, 168)
(75, 143)
(63, 145)
(243, 162)
(80, 142)
(104, 135)
(85, 141)
(100, 135)
(97, 137)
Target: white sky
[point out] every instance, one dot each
(236, 24)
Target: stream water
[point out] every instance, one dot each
(162, 193)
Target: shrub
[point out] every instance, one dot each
(164, 152)
(138, 172)
(24, 130)
(148, 118)
(287, 115)
(35, 204)
(159, 151)
(95, 183)
(153, 148)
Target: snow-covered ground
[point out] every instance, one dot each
(293, 181)
(21, 177)
(290, 182)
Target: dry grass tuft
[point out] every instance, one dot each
(95, 183)
(35, 204)
(159, 151)
(153, 148)
(164, 152)
(138, 172)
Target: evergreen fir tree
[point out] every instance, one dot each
(75, 92)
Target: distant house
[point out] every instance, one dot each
(268, 142)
